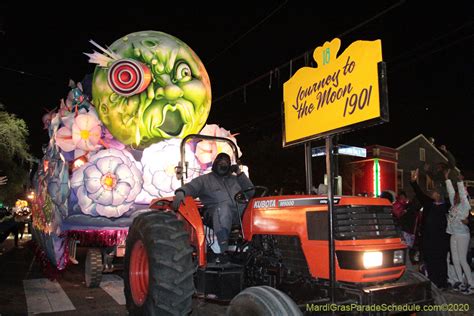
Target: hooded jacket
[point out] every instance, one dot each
(213, 189)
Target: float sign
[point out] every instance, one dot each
(342, 93)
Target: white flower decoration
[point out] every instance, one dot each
(108, 184)
(159, 175)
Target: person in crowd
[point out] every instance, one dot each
(216, 190)
(436, 172)
(460, 233)
(405, 215)
(435, 240)
(409, 223)
(400, 205)
(7, 226)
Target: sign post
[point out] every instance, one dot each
(342, 94)
(308, 167)
(330, 173)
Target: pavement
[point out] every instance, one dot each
(26, 290)
(453, 297)
(22, 282)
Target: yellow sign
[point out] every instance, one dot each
(342, 91)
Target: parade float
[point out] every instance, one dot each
(111, 153)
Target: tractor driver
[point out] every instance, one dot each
(216, 190)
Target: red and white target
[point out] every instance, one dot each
(128, 77)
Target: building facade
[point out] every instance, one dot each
(414, 154)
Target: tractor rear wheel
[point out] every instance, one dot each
(262, 300)
(93, 267)
(158, 274)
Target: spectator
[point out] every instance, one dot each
(435, 240)
(436, 172)
(460, 234)
(7, 226)
(409, 224)
(400, 205)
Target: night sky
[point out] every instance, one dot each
(428, 48)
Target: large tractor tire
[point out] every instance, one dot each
(93, 267)
(262, 300)
(158, 274)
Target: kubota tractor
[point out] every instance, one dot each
(279, 262)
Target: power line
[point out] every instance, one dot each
(21, 72)
(289, 63)
(427, 43)
(434, 51)
(243, 35)
(371, 19)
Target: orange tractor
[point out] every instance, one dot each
(279, 257)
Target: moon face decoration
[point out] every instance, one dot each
(154, 88)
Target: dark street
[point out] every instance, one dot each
(68, 296)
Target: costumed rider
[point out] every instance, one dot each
(216, 190)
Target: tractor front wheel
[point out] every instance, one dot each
(262, 300)
(158, 274)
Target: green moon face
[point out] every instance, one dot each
(158, 89)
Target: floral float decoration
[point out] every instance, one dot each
(108, 184)
(84, 134)
(115, 148)
(159, 175)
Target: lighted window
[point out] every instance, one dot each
(422, 154)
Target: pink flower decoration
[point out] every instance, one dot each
(86, 132)
(64, 139)
(83, 135)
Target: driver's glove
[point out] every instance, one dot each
(235, 169)
(178, 199)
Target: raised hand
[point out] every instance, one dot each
(446, 173)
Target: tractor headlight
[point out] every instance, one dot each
(398, 257)
(372, 259)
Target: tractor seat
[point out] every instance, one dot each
(207, 220)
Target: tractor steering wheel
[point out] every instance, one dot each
(241, 198)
